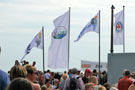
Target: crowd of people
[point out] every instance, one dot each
(27, 77)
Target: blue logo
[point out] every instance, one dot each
(93, 23)
(59, 33)
(119, 27)
(94, 20)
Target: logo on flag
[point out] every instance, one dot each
(93, 25)
(28, 49)
(38, 39)
(36, 42)
(119, 27)
(94, 20)
(59, 33)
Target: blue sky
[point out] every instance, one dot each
(21, 20)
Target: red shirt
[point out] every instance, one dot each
(124, 83)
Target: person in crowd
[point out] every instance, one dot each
(56, 84)
(41, 78)
(94, 80)
(103, 78)
(115, 85)
(63, 79)
(43, 87)
(78, 72)
(64, 76)
(114, 88)
(132, 77)
(94, 72)
(17, 62)
(57, 76)
(17, 71)
(107, 86)
(99, 87)
(81, 75)
(65, 72)
(48, 85)
(123, 74)
(52, 77)
(23, 62)
(69, 73)
(89, 86)
(34, 63)
(79, 82)
(87, 76)
(102, 88)
(125, 82)
(47, 75)
(32, 76)
(132, 86)
(4, 80)
(20, 84)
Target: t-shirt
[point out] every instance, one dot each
(47, 76)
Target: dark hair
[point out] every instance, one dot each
(107, 86)
(30, 69)
(17, 71)
(74, 70)
(48, 70)
(20, 84)
(134, 83)
(47, 80)
(127, 73)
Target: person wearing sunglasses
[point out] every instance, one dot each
(32, 76)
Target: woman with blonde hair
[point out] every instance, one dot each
(94, 80)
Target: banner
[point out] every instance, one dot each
(93, 65)
(36, 42)
(119, 28)
(58, 50)
(93, 25)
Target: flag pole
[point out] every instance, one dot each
(99, 47)
(111, 50)
(43, 48)
(124, 29)
(69, 38)
(21, 61)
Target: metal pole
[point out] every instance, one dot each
(99, 47)
(112, 28)
(69, 39)
(43, 48)
(124, 29)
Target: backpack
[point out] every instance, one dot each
(73, 83)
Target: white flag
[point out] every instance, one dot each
(36, 42)
(58, 50)
(119, 28)
(93, 25)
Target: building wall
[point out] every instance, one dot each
(117, 62)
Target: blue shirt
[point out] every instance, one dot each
(4, 80)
